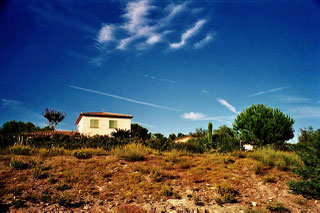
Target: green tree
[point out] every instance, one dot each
(139, 132)
(172, 137)
(53, 116)
(10, 130)
(121, 133)
(263, 125)
(225, 139)
(308, 148)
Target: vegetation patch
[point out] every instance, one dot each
(227, 194)
(279, 208)
(132, 152)
(18, 163)
(283, 160)
(18, 149)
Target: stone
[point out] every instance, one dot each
(254, 204)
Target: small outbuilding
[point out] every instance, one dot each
(102, 123)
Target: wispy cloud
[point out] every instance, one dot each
(144, 124)
(106, 34)
(198, 116)
(123, 98)
(229, 106)
(188, 34)
(294, 99)
(306, 112)
(10, 103)
(140, 30)
(267, 91)
(205, 91)
(160, 79)
(204, 41)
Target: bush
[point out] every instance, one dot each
(228, 194)
(281, 159)
(308, 148)
(173, 156)
(195, 145)
(21, 150)
(76, 142)
(82, 154)
(224, 139)
(132, 152)
(18, 163)
(278, 208)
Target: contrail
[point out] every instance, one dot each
(267, 91)
(123, 98)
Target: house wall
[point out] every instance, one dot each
(84, 125)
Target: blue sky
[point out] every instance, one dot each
(174, 65)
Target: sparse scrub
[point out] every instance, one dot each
(18, 203)
(82, 154)
(132, 152)
(258, 168)
(37, 171)
(238, 154)
(167, 191)
(279, 208)
(21, 150)
(18, 163)
(269, 179)
(63, 200)
(228, 194)
(173, 156)
(281, 159)
(198, 202)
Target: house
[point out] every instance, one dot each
(183, 139)
(102, 123)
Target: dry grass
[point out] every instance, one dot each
(280, 159)
(114, 179)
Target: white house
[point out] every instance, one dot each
(102, 123)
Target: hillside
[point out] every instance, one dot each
(170, 182)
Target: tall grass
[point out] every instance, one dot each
(18, 149)
(132, 152)
(280, 159)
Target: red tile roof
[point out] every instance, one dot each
(102, 114)
(52, 132)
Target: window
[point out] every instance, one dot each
(94, 123)
(112, 124)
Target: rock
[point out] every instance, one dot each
(254, 204)
(86, 207)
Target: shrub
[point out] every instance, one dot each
(278, 208)
(21, 150)
(132, 152)
(239, 154)
(18, 204)
(18, 163)
(37, 171)
(63, 200)
(228, 194)
(258, 168)
(174, 156)
(271, 157)
(308, 148)
(82, 154)
(195, 145)
(167, 191)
